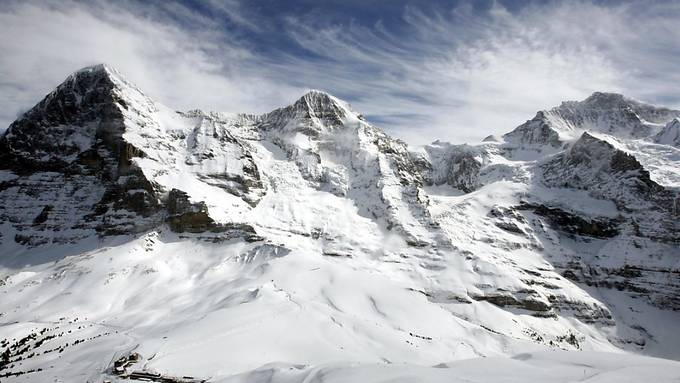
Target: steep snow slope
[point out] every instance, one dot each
(307, 244)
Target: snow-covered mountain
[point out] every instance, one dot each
(306, 244)
(670, 134)
(608, 113)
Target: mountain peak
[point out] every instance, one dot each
(588, 140)
(316, 93)
(605, 97)
(611, 101)
(320, 101)
(603, 112)
(314, 111)
(670, 134)
(68, 121)
(99, 68)
(98, 72)
(95, 72)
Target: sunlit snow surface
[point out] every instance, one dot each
(527, 367)
(207, 310)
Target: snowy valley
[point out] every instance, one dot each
(307, 245)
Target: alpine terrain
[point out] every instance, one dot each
(307, 245)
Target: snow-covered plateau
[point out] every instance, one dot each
(307, 245)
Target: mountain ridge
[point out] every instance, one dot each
(609, 113)
(308, 226)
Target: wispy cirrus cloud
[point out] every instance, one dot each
(178, 56)
(461, 73)
(452, 72)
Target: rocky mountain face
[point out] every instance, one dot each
(670, 134)
(608, 113)
(646, 212)
(338, 152)
(609, 173)
(199, 228)
(600, 164)
(71, 162)
(68, 171)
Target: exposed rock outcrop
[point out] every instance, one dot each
(606, 172)
(68, 152)
(572, 223)
(71, 165)
(456, 165)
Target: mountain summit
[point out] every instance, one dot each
(608, 113)
(144, 243)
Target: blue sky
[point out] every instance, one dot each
(453, 70)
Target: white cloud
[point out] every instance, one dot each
(183, 68)
(457, 74)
